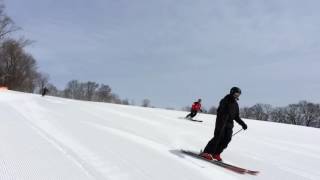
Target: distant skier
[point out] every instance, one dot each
(44, 92)
(228, 111)
(196, 107)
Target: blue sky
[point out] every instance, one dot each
(173, 52)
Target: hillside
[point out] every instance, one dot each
(54, 138)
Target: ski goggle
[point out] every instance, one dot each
(236, 95)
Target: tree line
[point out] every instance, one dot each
(88, 91)
(303, 113)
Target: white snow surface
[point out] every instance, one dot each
(50, 138)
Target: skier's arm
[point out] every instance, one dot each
(241, 122)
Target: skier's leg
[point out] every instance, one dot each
(194, 113)
(189, 115)
(212, 145)
(225, 140)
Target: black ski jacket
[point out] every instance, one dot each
(228, 111)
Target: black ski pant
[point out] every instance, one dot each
(219, 142)
(192, 114)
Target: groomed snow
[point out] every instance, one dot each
(49, 138)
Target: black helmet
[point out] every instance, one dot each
(235, 90)
(199, 100)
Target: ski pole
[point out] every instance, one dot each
(237, 132)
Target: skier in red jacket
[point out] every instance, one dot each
(196, 107)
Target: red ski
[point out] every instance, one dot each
(222, 164)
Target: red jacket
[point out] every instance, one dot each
(196, 106)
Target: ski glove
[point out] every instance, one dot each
(244, 126)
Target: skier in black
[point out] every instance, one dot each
(45, 90)
(228, 111)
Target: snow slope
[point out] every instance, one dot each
(53, 138)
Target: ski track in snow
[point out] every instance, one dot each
(56, 138)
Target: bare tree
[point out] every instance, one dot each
(53, 90)
(74, 90)
(246, 112)
(146, 103)
(42, 81)
(125, 102)
(278, 115)
(318, 121)
(115, 99)
(90, 89)
(104, 93)
(7, 26)
(292, 114)
(308, 113)
(258, 111)
(262, 111)
(18, 70)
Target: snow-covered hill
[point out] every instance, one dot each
(59, 139)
